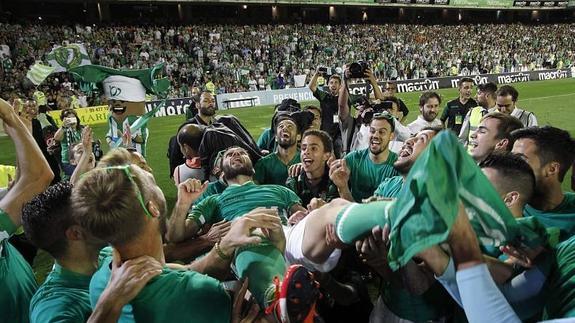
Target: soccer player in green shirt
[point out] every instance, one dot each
(123, 206)
(64, 296)
(359, 174)
(550, 152)
(273, 168)
(18, 284)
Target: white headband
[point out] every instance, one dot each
(124, 89)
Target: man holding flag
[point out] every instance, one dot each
(126, 93)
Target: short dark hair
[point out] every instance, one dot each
(506, 90)
(335, 77)
(394, 100)
(47, 217)
(312, 107)
(488, 87)
(428, 95)
(513, 172)
(66, 112)
(553, 144)
(323, 136)
(385, 116)
(507, 124)
(465, 80)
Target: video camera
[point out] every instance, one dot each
(324, 70)
(357, 69)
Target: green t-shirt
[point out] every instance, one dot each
(213, 188)
(17, 282)
(562, 217)
(366, 176)
(390, 187)
(561, 283)
(325, 190)
(237, 200)
(271, 170)
(64, 297)
(267, 140)
(174, 296)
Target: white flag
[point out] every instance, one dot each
(39, 72)
(63, 58)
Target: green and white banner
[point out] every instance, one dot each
(63, 58)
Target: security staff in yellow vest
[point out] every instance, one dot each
(486, 100)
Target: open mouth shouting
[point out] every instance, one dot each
(405, 151)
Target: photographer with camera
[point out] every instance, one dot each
(355, 130)
(328, 105)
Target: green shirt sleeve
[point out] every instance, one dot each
(55, 310)
(260, 172)
(291, 199)
(264, 139)
(7, 227)
(206, 211)
(291, 183)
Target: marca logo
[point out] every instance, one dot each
(520, 3)
(424, 85)
(441, 1)
(477, 79)
(513, 78)
(558, 74)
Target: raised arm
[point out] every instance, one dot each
(313, 82)
(343, 100)
(179, 227)
(376, 89)
(35, 173)
(86, 162)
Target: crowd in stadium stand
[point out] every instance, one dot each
(242, 58)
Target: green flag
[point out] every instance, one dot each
(443, 176)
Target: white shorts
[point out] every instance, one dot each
(294, 253)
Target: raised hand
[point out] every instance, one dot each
(190, 190)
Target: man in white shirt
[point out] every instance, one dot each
(428, 107)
